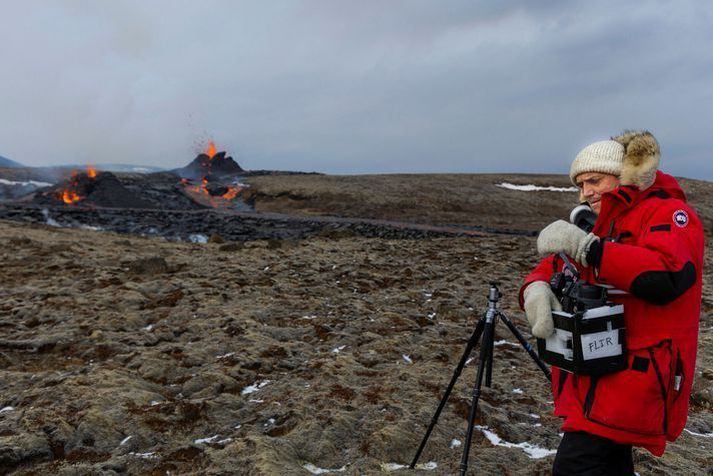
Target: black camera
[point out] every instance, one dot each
(576, 295)
(589, 336)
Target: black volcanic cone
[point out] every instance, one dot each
(104, 190)
(207, 167)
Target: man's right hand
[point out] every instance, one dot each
(540, 301)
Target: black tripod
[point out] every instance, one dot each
(486, 328)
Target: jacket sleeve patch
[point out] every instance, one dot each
(660, 228)
(662, 287)
(680, 218)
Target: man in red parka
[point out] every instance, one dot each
(647, 248)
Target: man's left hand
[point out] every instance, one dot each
(561, 236)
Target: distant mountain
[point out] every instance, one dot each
(140, 169)
(5, 162)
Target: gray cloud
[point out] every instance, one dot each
(354, 87)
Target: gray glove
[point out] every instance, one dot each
(561, 236)
(540, 301)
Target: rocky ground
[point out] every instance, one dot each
(464, 199)
(322, 354)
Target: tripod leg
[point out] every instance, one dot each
(526, 345)
(486, 349)
(469, 348)
(489, 367)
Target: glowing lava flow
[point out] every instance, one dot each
(70, 193)
(70, 196)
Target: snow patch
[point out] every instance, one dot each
(90, 227)
(315, 470)
(254, 387)
(535, 188)
(211, 439)
(198, 238)
(704, 435)
(33, 183)
(407, 359)
(151, 455)
(389, 467)
(534, 452)
(7, 409)
(339, 349)
(504, 342)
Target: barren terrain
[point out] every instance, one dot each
(317, 354)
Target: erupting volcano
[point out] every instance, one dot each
(205, 178)
(210, 164)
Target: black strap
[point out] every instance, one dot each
(660, 194)
(594, 254)
(625, 196)
(562, 380)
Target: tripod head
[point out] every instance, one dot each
(494, 295)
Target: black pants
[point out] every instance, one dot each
(585, 454)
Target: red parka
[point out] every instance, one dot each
(652, 255)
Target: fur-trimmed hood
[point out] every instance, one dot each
(642, 156)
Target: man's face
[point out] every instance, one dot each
(592, 185)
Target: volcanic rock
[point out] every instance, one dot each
(151, 265)
(235, 246)
(161, 190)
(216, 238)
(104, 190)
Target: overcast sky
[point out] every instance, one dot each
(349, 87)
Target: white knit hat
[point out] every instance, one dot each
(606, 156)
